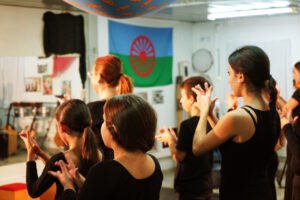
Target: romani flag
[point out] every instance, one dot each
(146, 52)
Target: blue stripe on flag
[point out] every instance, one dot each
(122, 35)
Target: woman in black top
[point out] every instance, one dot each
(246, 136)
(129, 129)
(192, 178)
(73, 122)
(108, 80)
(292, 104)
(293, 139)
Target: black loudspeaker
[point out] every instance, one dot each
(3, 145)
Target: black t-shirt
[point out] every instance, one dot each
(296, 111)
(193, 173)
(296, 96)
(109, 180)
(96, 109)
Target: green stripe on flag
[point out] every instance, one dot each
(161, 74)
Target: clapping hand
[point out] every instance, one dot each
(203, 97)
(166, 136)
(63, 175)
(30, 143)
(287, 118)
(232, 101)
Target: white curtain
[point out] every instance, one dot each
(11, 80)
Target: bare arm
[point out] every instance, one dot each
(212, 119)
(291, 104)
(232, 125)
(222, 132)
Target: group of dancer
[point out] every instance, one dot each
(109, 139)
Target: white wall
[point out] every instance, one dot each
(21, 34)
(182, 42)
(277, 35)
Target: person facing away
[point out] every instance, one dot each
(292, 181)
(108, 80)
(129, 129)
(246, 136)
(232, 102)
(73, 121)
(193, 173)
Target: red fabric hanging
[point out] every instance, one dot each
(60, 64)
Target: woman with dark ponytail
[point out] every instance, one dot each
(73, 121)
(129, 129)
(292, 133)
(108, 80)
(246, 136)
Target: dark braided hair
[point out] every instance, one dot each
(254, 63)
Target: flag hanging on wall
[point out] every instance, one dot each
(146, 52)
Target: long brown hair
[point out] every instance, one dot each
(77, 117)
(110, 69)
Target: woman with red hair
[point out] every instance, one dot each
(108, 80)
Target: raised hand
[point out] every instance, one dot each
(166, 135)
(232, 101)
(63, 175)
(287, 118)
(28, 141)
(78, 179)
(203, 97)
(212, 106)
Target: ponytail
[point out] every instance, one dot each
(272, 105)
(125, 84)
(89, 148)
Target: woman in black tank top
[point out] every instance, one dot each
(246, 136)
(292, 133)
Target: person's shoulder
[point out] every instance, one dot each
(191, 120)
(106, 165)
(235, 115)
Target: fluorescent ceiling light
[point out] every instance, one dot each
(226, 7)
(245, 13)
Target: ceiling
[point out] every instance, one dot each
(182, 10)
(197, 10)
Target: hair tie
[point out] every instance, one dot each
(270, 77)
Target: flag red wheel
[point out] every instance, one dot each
(142, 56)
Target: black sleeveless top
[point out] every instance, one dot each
(244, 167)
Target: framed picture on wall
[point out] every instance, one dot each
(47, 84)
(32, 84)
(42, 68)
(66, 87)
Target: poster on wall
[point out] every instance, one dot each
(42, 68)
(47, 84)
(32, 84)
(66, 87)
(157, 97)
(144, 95)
